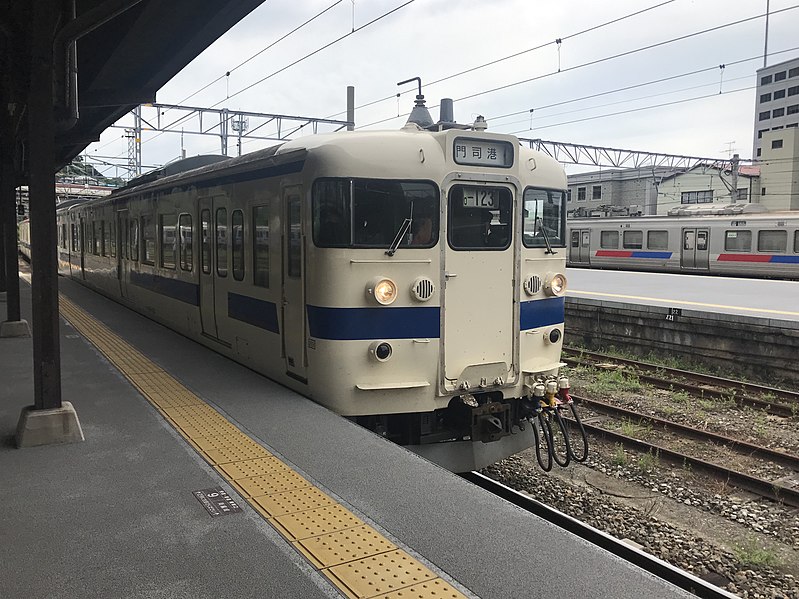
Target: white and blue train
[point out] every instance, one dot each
(410, 280)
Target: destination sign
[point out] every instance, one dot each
(481, 152)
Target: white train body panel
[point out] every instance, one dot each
(250, 257)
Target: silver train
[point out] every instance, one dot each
(733, 240)
(410, 280)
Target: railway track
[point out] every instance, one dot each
(779, 402)
(764, 488)
(646, 561)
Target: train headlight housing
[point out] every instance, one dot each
(381, 350)
(555, 284)
(384, 291)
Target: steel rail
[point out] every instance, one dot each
(646, 561)
(738, 445)
(759, 486)
(775, 408)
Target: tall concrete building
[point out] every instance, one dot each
(777, 100)
(779, 169)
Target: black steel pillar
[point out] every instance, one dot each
(8, 201)
(41, 158)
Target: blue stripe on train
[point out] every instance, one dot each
(785, 259)
(374, 323)
(655, 255)
(542, 313)
(259, 313)
(179, 290)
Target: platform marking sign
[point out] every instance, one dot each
(217, 502)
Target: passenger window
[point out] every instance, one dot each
(609, 240)
(480, 218)
(103, 239)
(295, 238)
(74, 237)
(657, 240)
(148, 239)
(772, 241)
(205, 256)
(575, 239)
(220, 234)
(796, 242)
(738, 241)
(186, 249)
(112, 237)
(96, 237)
(134, 240)
(64, 236)
(168, 238)
(237, 240)
(633, 240)
(260, 250)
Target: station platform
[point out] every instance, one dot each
(335, 511)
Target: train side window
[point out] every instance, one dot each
(205, 254)
(543, 215)
(220, 234)
(295, 238)
(104, 245)
(112, 238)
(633, 240)
(186, 248)
(148, 239)
(575, 239)
(796, 242)
(63, 236)
(260, 246)
(166, 227)
(609, 240)
(74, 237)
(134, 239)
(657, 240)
(237, 243)
(738, 241)
(772, 241)
(95, 238)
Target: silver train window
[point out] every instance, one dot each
(370, 213)
(544, 213)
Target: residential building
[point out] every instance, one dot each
(615, 191)
(707, 184)
(776, 101)
(779, 166)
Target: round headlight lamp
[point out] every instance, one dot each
(383, 290)
(555, 284)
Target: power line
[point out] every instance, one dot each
(601, 60)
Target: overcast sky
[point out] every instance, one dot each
(434, 39)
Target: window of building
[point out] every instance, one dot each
(760, 133)
(764, 116)
(609, 240)
(186, 242)
(776, 144)
(743, 194)
(762, 189)
(260, 246)
(581, 194)
(793, 109)
(657, 240)
(776, 128)
(596, 192)
(237, 243)
(220, 234)
(148, 239)
(168, 236)
(778, 112)
(738, 241)
(765, 97)
(697, 197)
(789, 125)
(568, 195)
(205, 255)
(772, 241)
(765, 80)
(794, 72)
(779, 94)
(793, 91)
(759, 151)
(633, 240)
(779, 76)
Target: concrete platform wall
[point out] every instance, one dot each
(765, 350)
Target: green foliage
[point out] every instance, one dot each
(750, 553)
(614, 381)
(648, 462)
(619, 458)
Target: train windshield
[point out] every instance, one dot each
(544, 218)
(368, 213)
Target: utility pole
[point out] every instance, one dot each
(765, 45)
(734, 189)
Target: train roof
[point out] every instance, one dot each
(698, 212)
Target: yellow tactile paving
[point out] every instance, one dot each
(356, 558)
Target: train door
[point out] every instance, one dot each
(695, 249)
(82, 247)
(213, 261)
(293, 329)
(123, 266)
(480, 308)
(580, 246)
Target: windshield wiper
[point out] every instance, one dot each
(403, 230)
(546, 237)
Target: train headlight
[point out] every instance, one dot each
(381, 350)
(384, 291)
(555, 284)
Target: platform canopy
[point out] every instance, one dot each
(126, 50)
